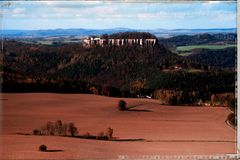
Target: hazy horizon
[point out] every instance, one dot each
(121, 28)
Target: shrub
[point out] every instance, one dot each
(58, 128)
(50, 128)
(64, 129)
(88, 136)
(122, 105)
(232, 119)
(36, 132)
(230, 103)
(72, 129)
(109, 133)
(42, 148)
(102, 136)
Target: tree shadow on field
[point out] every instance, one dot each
(3, 99)
(139, 110)
(54, 150)
(130, 108)
(133, 106)
(127, 140)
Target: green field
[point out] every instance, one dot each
(185, 53)
(189, 48)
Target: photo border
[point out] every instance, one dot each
(237, 89)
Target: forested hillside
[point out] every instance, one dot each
(218, 58)
(128, 71)
(183, 40)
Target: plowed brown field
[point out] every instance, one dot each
(148, 129)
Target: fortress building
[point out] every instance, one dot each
(97, 41)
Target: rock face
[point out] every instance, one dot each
(121, 40)
(90, 41)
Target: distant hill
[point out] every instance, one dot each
(85, 32)
(206, 38)
(112, 65)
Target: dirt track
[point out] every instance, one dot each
(146, 130)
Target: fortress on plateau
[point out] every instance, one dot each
(121, 39)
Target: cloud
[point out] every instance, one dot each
(18, 11)
(208, 3)
(71, 13)
(70, 4)
(100, 14)
(210, 15)
(70, 9)
(101, 10)
(162, 15)
(223, 16)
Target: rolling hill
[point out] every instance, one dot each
(86, 32)
(123, 71)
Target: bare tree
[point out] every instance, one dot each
(72, 129)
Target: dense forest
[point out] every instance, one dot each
(132, 35)
(122, 71)
(183, 40)
(218, 58)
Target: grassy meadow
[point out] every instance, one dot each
(205, 46)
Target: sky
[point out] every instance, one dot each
(144, 14)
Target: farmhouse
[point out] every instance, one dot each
(93, 41)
